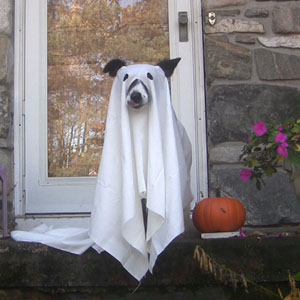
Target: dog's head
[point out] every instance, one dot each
(137, 79)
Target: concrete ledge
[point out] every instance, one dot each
(27, 265)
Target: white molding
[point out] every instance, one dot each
(19, 94)
(200, 105)
(29, 222)
(198, 123)
(43, 194)
(183, 81)
(43, 92)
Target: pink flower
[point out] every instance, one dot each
(280, 128)
(280, 137)
(242, 234)
(282, 150)
(260, 128)
(245, 174)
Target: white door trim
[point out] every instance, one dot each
(19, 98)
(200, 104)
(195, 31)
(198, 123)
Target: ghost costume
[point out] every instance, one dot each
(146, 154)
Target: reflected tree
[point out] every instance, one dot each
(83, 35)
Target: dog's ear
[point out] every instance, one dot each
(113, 66)
(169, 65)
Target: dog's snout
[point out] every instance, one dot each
(136, 97)
(137, 94)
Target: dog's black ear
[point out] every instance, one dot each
(169, 65)
(113, 66)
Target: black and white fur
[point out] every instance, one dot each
(137, 94)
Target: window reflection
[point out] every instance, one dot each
(83, 35)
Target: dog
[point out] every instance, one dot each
(137, 94)
(143, 184)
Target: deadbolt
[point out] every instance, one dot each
(183, 26)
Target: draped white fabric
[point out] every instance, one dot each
(146, 154)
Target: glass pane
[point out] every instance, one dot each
(83, 35)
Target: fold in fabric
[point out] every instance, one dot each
(73, 240)
(146, 154)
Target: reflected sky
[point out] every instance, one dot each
(125, 3)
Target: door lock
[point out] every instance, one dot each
(183, 26)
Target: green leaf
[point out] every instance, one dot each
(294, 158)
(269, 171)
(295, 129)
(297, 276)
(290, 120)
(272, 135)
(280, 158)
(253, 163)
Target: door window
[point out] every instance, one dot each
(82, 37)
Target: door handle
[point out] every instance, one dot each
(183, 26)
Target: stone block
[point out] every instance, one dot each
(235, 25)
(4, 113)
(276, 66)
(275, 204)
(290, 41)
(227, 152)
(245, 39)
(227, 12)
(226, 61)
(5, 159)
(233, 109)
(286, 19)
(6, 16)
(4, 59)
(256, 12)
(210, 4)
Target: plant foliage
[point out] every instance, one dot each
(268, 146)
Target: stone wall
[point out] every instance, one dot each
(6, 92)
(252, 65)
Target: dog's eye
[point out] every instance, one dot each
(125, 77)
(149, 76)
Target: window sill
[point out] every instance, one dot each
(28, 222)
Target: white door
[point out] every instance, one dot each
(67, 43)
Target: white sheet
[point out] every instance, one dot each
(146, 154)
(73, 240)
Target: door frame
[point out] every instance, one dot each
(199, 124)
(19, 116)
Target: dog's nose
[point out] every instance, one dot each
(136, 97)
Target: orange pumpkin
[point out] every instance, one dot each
(219, 214)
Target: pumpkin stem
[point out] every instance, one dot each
(218, 192)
